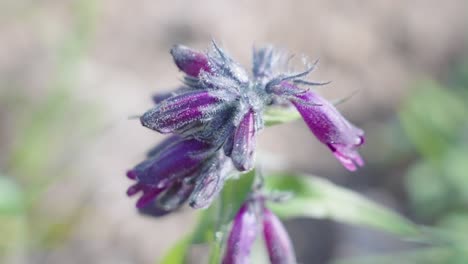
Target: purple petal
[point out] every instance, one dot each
(177, 161)
(178, 112)
(243, 149)
(211, 181)
(190, 61)
(280, 248)
(242, 237)
(331, 128)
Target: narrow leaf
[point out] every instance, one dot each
(318, 198)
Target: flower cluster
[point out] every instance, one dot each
(214, 120)
(252, 217)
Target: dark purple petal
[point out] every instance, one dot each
(174, 196)
(178, 112)
(211, 181)
(280, 248)
(177, 161)
(190, 61)
(242, 237)
(243, 149)
(331, 128)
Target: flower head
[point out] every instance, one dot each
(219, 103)
(215, 117)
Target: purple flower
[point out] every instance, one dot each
(175, 170)
(242, 236)
(331, 128)
(219, 109)
(279, 246)
(327, 124)
(222, 105)
(219, 104)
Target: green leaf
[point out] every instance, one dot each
(176, 255)
(318, 198)
(279, 115)
(432, 117)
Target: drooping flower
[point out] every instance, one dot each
(326, 123)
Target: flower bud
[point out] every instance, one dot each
(279, 246)
(243, 143)
(180, 112)
(242, 236)
(190, 61)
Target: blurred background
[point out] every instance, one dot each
(72, 72)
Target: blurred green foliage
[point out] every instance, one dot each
(46, 141)
(434, 119)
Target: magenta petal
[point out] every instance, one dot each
(243, 148)
(280, 248)
(242, 237)
(331, 128)
(178, 112)
(190, 61)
